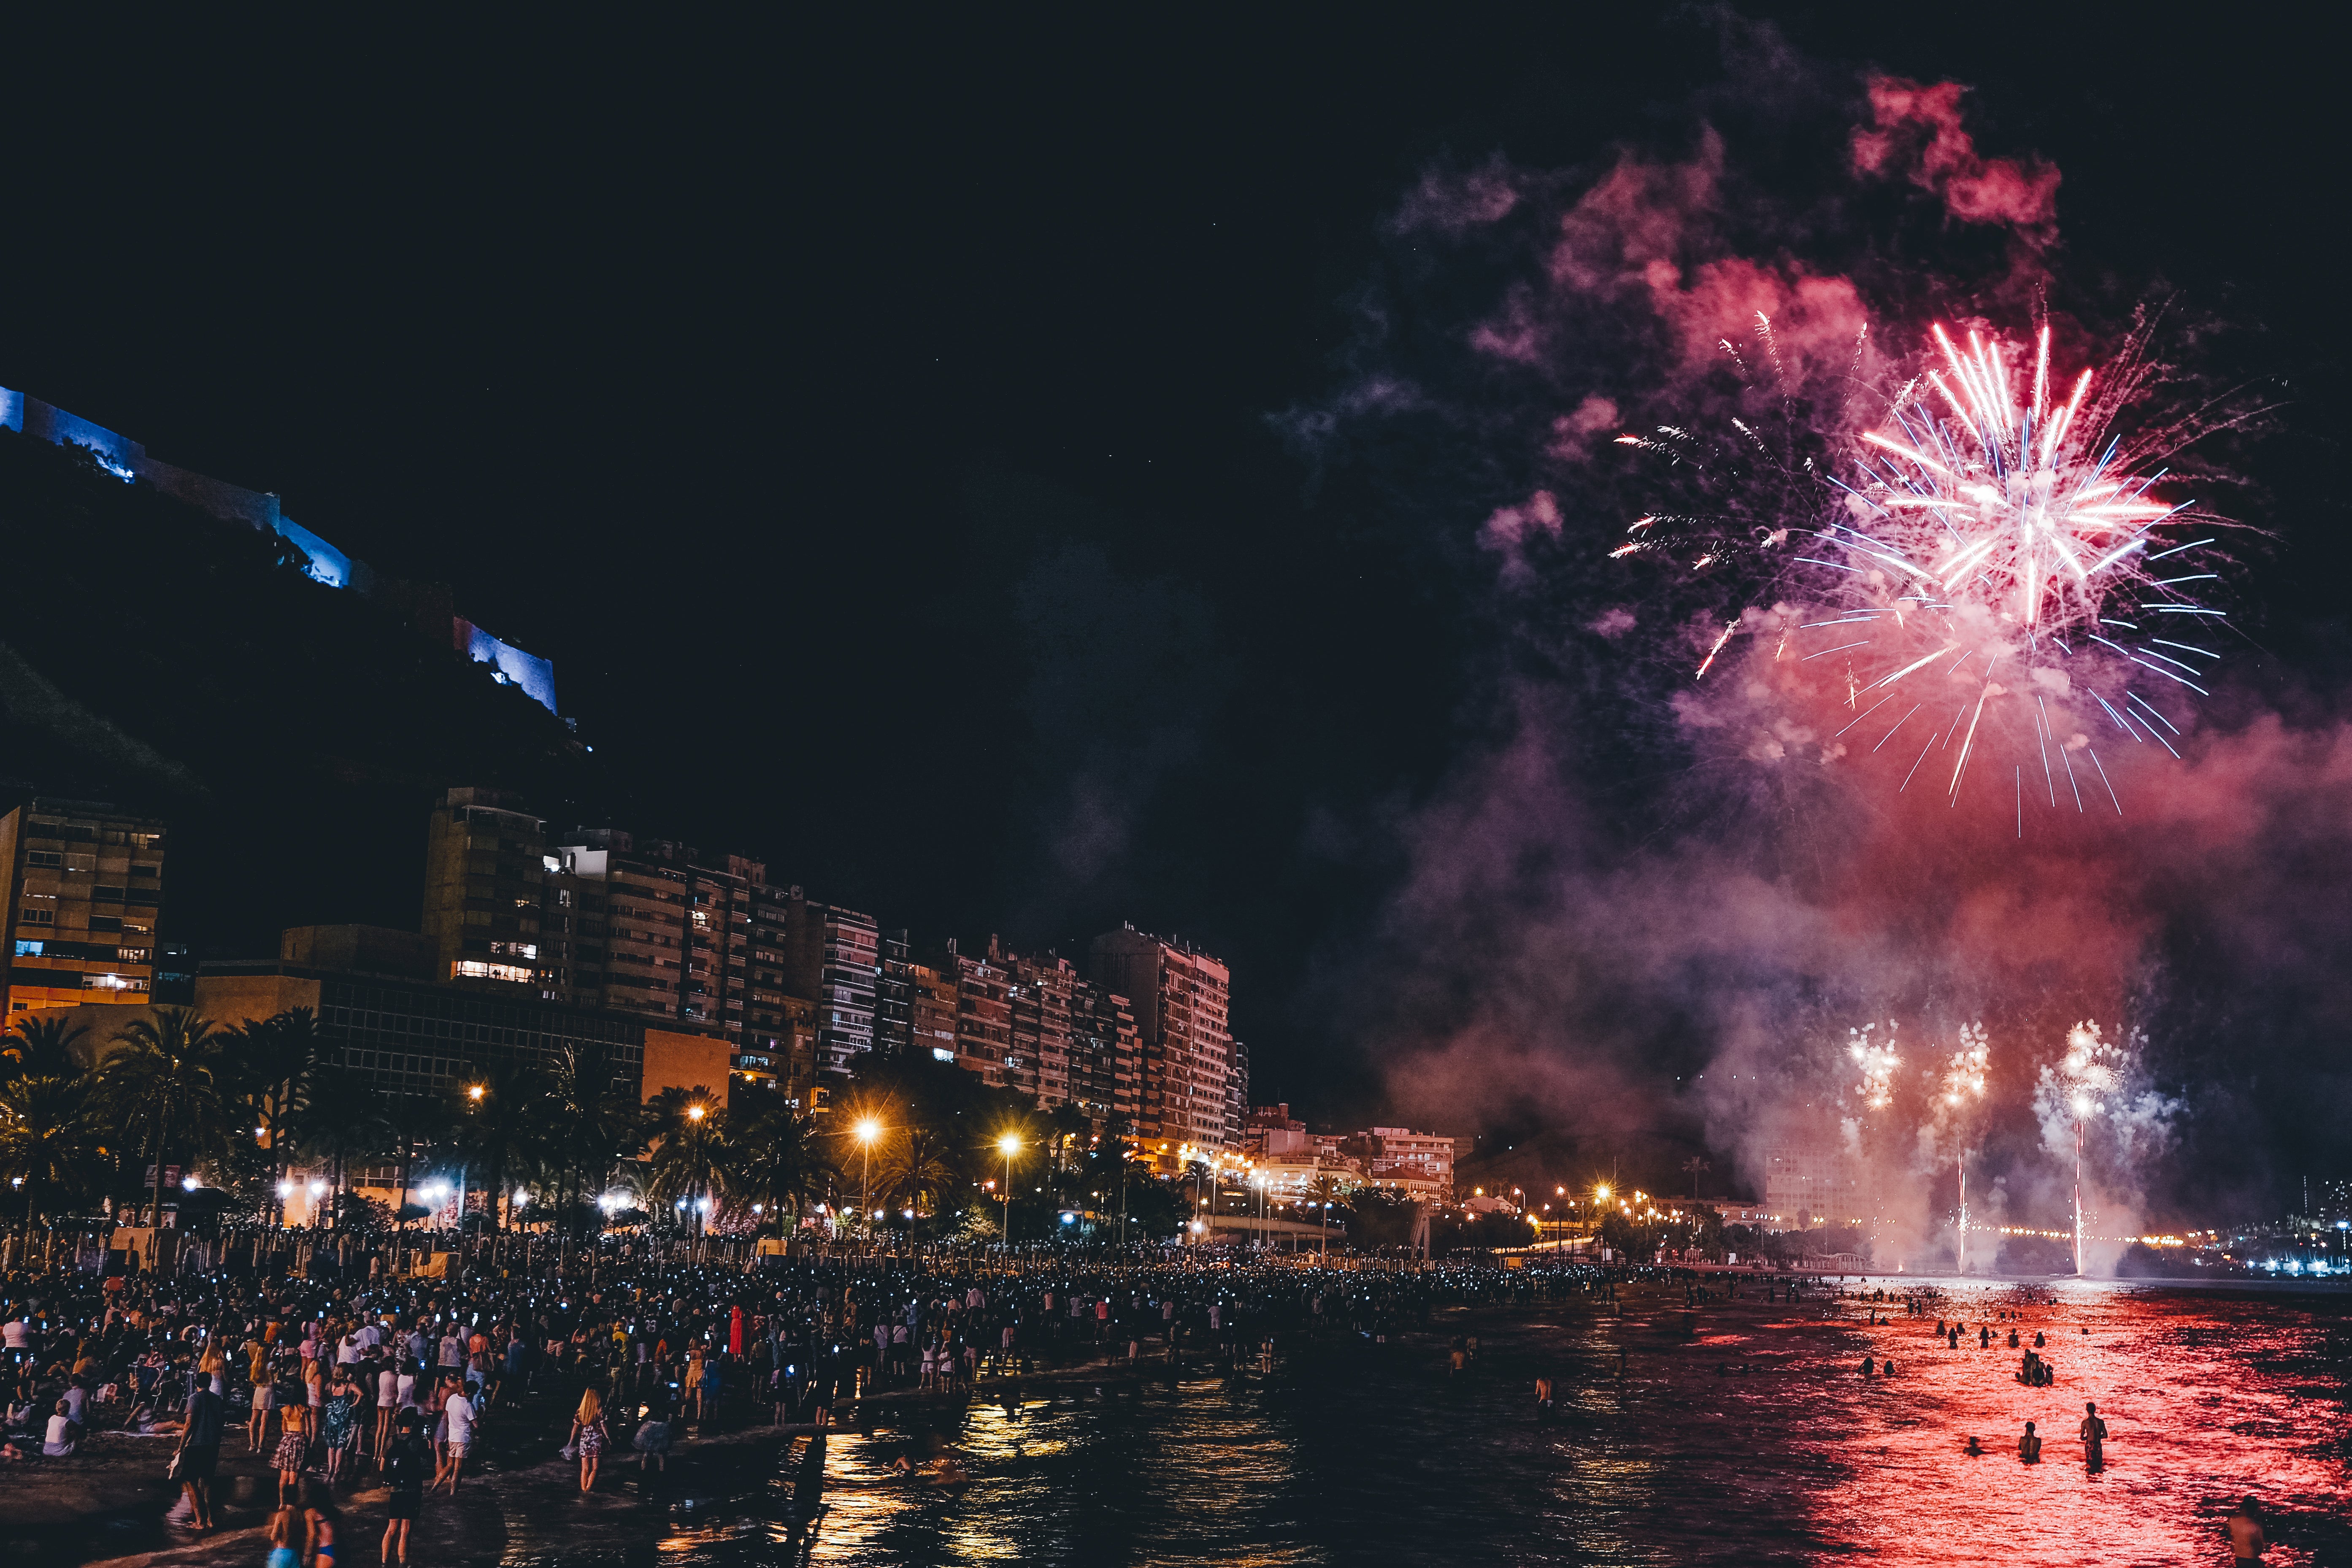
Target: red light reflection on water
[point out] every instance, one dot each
(2204, 1398)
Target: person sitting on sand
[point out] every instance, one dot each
(64, 1434)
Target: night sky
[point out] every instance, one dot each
(892, 434)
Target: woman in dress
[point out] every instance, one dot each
(336, 1427)
(588, 1438)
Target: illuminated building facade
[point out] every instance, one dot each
(1181, 998)
(128, 460)
(83, 894)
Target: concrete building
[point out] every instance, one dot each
(656, 931)
(82, 898)
(894, 995)
(931, 1011)
(486, 870)
(1181, 998)
(128, 461)
(1809, 1183)
(1106, 1059)
(1396, 1155)
(401, 1032)
(1271, 1132)
(830, 955)
(983, 1000)
(1238, 1105)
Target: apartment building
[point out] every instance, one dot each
(1106, 1058)
(1180, 997)
(931, 1011)
(486, 870)
(983, 1003)
(1043, 991)
(894, 995)
(83, 893)
(645, 926)
(832, 957)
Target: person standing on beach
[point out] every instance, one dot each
(405, 1465)
(459, 1414)
(199, 1452)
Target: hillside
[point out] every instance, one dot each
(292, 734)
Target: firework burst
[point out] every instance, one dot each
(1878, 1062)
(1996, 564)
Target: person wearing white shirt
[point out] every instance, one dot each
(459, 1414)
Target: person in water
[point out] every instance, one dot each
(2094, 1436)
(2248, 1540)
(1543, 1399)
(2029, 1447)
(1974, 1450)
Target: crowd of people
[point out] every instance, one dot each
(340, 1382)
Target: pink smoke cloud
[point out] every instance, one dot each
(1915, 134)
(1815, 320)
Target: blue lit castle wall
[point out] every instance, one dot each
(128, 460)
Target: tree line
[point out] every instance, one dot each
(568, 1142)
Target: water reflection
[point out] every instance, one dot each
(1353, 1454)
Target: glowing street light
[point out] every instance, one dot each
(475, 1092)
(867, 1130)
(1010, 1146)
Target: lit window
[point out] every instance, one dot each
(28, 949)
(475, 969)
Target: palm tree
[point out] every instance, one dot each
(45, 1130)
(1324, 1191)
(920, 1173)
(597, 1122)
(693, 1158)
(779, 1155)
(1065, 1125)
(502, 1124)
(170, 1069)
(345, 1123)
(42, 1044)
(276, 1058)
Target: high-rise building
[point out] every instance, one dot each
(931, 1011)
(1040, 1000)
(1106, 1059)
(486, 867)
(84, 891)
(1238, 1105)
(894, 995)
(646, 927)
(831, 957)
(1181, 999)
(983, 1024)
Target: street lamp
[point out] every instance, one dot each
(867, 1130)
(1010, 1146)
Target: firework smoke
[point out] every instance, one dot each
(1640, 907)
